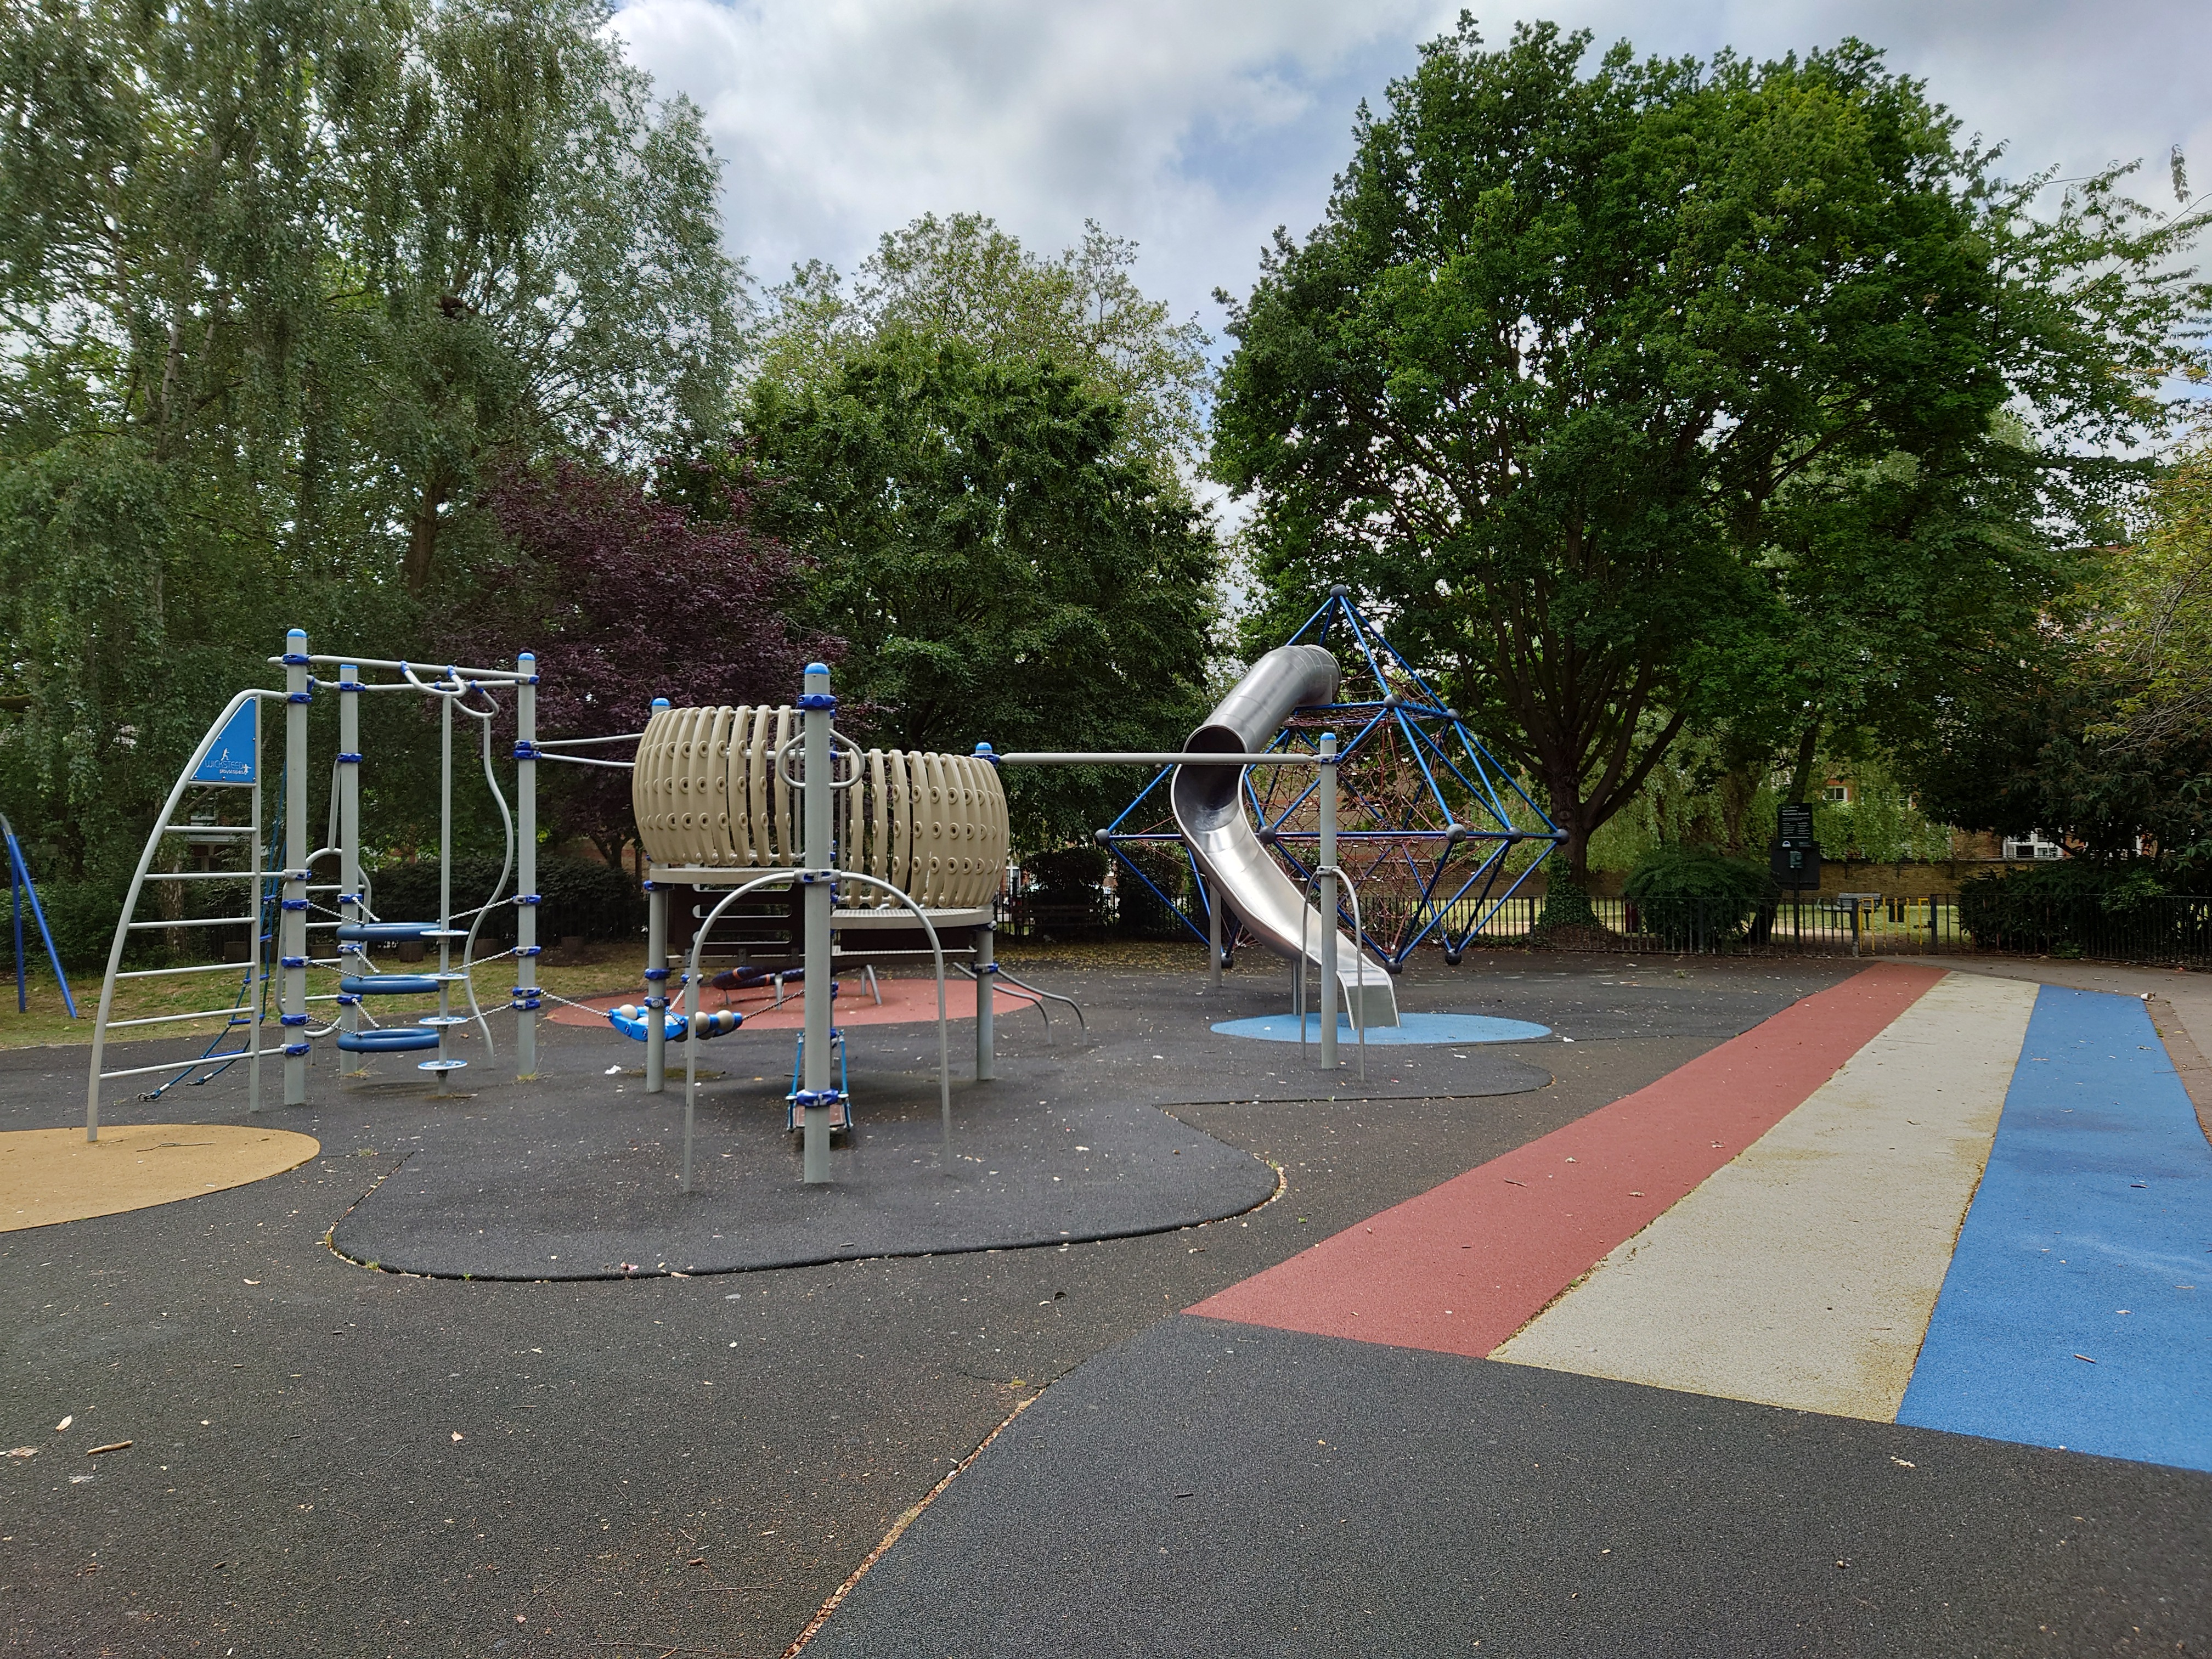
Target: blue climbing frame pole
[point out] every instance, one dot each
(816, 706)
(19, 877)
(525, 869)
(292, 927)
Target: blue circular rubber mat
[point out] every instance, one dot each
(1411, 1028)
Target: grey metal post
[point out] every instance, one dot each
(253, 981)
(526, 868)
(1212, 894)
(1328, 985)
(986, 962)
(816, 705)
(656, 973)
(445, 880)
(350, 908)
(656, 986)
(292, 928)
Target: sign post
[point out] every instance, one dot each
(1796, 859)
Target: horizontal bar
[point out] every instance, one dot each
(587, 743)
(205, 875)
(210, 967)
(225, 1054)
(201, 921)
(586, 760)
(208, 829)
(380, 662)
(174, 1020)
(1164, 758)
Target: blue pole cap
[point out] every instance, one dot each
(526, 656)
(821, 668)
(983, 748)
(295, 634)
(660, 702)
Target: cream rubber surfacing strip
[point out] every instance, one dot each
(1803, 1273)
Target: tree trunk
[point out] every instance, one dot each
(1808, 744)
(423, 533)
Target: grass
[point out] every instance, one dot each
(595, 970)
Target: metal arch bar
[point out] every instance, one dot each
(791, 745)
(577, 760)
(1082, 1024)
(139, 880)
(587, 743)
(691, 998)
(503, 674)
(970, 975)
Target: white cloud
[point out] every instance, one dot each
(1196, 129)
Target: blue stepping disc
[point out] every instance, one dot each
(1412, 1029)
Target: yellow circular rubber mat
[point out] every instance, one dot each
(57, 1175)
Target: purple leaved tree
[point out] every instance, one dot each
(625, 598)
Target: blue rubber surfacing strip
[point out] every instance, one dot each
(2098, 1198)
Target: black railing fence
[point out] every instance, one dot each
(2169, 930)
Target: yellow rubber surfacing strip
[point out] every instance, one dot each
(1803, 1273)
(49, 1176)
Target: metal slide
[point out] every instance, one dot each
(1209, 809)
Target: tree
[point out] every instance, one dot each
(1605, 387)
(2102, 732)
(998, 569)
(624, 598)
(277, 277)
(963, 278)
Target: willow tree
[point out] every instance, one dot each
(1607, 387)
(278, 279)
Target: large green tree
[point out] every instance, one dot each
(277, 279)
(1673, 391)
(960, 278)
(998, 567)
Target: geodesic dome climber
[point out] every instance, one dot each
(1429, 824)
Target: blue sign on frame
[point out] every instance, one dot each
(230, 758)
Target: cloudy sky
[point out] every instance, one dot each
(1196, 128)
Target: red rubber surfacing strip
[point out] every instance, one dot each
(1465, 1265)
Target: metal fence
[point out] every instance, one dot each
(2168, 930)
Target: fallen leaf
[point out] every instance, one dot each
(113, 1445)
(457, 1436)
(1901, 1463)
(65, 1422)
(23, 1451)
(2085, 1359)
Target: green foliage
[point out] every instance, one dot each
(1692, 896)
(1142, 911)
(277, 277)
(2044, 745)
(996, 572)
(1566, 901)
(2044, 908)
(581, 898)
(963, 278)
(1678, 392)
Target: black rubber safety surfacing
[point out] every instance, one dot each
(1222, 1489)
(580, 1186)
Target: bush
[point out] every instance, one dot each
(1693, 898)
(579, 898)
(81, 917)
(1143, 911)
(2064, 907)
